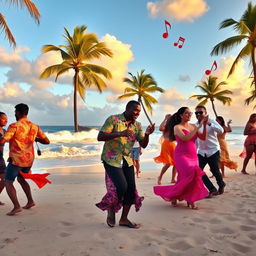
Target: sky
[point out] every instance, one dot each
(133, 30)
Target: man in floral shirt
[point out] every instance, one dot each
(119, 133)
(21, 136)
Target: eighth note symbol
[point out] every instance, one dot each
(182, 40)
(166, 34)
(208, 72)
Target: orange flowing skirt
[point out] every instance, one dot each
(167, 152)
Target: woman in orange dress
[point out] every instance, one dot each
(250, 141)
(224, 155)
(167, 151)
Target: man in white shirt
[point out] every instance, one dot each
(208, 152)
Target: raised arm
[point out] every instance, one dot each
(163, 124)
(144, 142)
(228, 127)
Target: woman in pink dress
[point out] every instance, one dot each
(250, 141)
(189, 185)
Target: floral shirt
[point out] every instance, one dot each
(116, 149)
(21, 136)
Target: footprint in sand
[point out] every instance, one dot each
(181, 245)
(64, 234)
(215, 221)
(66, 223)
(241, 248)
(10, 240)
(252, 236)
(225, 230)
(247, 228)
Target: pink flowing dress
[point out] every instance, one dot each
(189, 185)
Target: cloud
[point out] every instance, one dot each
(22, 70)
(184, 78)
(180, 10)
(118, 64)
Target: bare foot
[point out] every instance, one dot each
(129, 224)
(14, 211)
(174, 202)
(159, 182)
(245, 172)
(1, 203)
(173, 181)
(29, 205)
(192, 205)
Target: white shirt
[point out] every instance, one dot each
(136, 144)
(211, 145)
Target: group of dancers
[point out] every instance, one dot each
(197, 145)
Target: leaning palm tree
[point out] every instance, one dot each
(34, 13)
(212, 91)
(80, 48)
(246, 29)
(141, 86)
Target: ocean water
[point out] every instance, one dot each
(78, 149)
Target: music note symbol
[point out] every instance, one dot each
(166, 34)
(208, 72)
(180, 42)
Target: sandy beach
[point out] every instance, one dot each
(65, 220)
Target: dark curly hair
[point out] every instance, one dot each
(174, 120)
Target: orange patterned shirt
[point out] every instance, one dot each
(21, 136)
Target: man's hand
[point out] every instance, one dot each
(150, 129)
(126, 133)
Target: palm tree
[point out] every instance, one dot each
(246, 28)
(212, 91)
(34, 13)
(141, 86)
(80, 48)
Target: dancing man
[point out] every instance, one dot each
(119, 133)
(21, 136)
(209, 152)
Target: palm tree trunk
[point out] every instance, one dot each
(140, 101)
(213, 107)
(75, 100)
(254, 66)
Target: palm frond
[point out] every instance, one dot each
(228, 44)
(243, 53)
(227, 23)
(31, 7)
(126, 95)
(54, 69)
(98, 50)
(49, 48)
(99, 70)
(81, 88)
(7, 31)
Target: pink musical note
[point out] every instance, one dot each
(166, 34)
(208, 72)
(180, 42)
